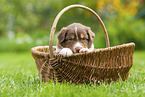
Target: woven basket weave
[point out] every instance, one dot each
(100, 65)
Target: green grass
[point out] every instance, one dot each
(19, 77)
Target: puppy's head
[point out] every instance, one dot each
(75, 36)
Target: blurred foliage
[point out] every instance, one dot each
(21, 19)
(129, 31)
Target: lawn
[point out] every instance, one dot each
(19, 77)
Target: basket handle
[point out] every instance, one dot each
(53, 28)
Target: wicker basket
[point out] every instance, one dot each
(108, 63)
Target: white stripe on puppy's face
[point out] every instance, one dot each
(77, 47)
(76, 33)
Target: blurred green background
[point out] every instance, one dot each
(27, 23)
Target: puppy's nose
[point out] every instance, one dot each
(77, 49)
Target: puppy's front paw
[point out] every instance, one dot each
(66, 52)
(84, 50)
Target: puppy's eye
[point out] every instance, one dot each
(70, 39)
(83, 38)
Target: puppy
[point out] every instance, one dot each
(75, 38)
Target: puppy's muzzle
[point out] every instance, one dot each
(77, 49)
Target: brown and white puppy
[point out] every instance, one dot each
(75, 38)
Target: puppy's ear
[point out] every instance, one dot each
(90, 34)
(61, 34)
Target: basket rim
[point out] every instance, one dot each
(35, 50)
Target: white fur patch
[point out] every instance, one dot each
(68, 51)
(58, 49)
(83, 50)
(65, 52)
(77, 45)
(91, 48)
